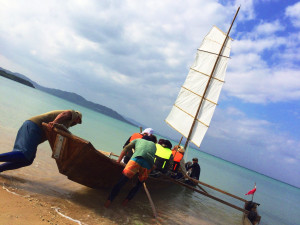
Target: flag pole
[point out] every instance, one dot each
(254, 192)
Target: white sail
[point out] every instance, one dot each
(186, 105)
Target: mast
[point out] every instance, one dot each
(209, 80)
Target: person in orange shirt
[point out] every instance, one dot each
(146, 132)
(177, 152)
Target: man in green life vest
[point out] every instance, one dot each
(163, 155)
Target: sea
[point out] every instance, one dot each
(279, 202)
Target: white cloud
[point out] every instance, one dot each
(293, 12)
(246, 11)
(269, 28)
(264, 85)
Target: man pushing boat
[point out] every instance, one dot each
(141, 162)
(31, 134)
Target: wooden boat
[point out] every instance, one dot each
(191, 114)
(81, 162)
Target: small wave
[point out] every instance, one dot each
(57, 210)
(9, 190)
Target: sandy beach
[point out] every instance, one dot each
(17, 209)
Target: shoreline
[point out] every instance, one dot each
(18, 209)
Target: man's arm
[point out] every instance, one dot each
(125, 150)
(127, 142)
(66, 115)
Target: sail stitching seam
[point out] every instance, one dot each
(190, 115)
(213, 53)
(207, 75)
(199, 95)
(175, 128)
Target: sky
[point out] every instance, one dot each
(133, 56)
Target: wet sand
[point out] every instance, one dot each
(16, 209)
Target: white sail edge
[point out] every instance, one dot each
(188, 101)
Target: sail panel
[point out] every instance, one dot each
(214, 47)
(204, 62)
(180, 121)
(213, 91)
(220, 69)
(214, 41)
(198, 133)
(188, 101)
(206, 112)
(196, 82)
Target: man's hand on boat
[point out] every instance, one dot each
(51, 125)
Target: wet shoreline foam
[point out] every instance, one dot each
(25, 207)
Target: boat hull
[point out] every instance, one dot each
(82, 163)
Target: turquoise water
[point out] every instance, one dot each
(279, 201)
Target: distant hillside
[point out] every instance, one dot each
(15, 78)
(69, 96)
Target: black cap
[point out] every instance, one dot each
(168, 144)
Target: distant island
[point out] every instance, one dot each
(15, 78)
(69, 96)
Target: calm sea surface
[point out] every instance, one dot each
(175, 205)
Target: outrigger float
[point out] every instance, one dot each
(190, 115)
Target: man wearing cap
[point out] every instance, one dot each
(195, 173)
(31, 134)
(146, 132)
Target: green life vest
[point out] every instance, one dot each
(162, 156)
(162, 152)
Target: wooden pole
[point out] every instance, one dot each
(210, 196)
(198, 185)
(216, 189)
(180, 140)
(150, 200)
(148, 193)
(209, 80)
(108, 153)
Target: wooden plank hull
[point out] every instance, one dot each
(81, 162)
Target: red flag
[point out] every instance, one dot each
(252, 191)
